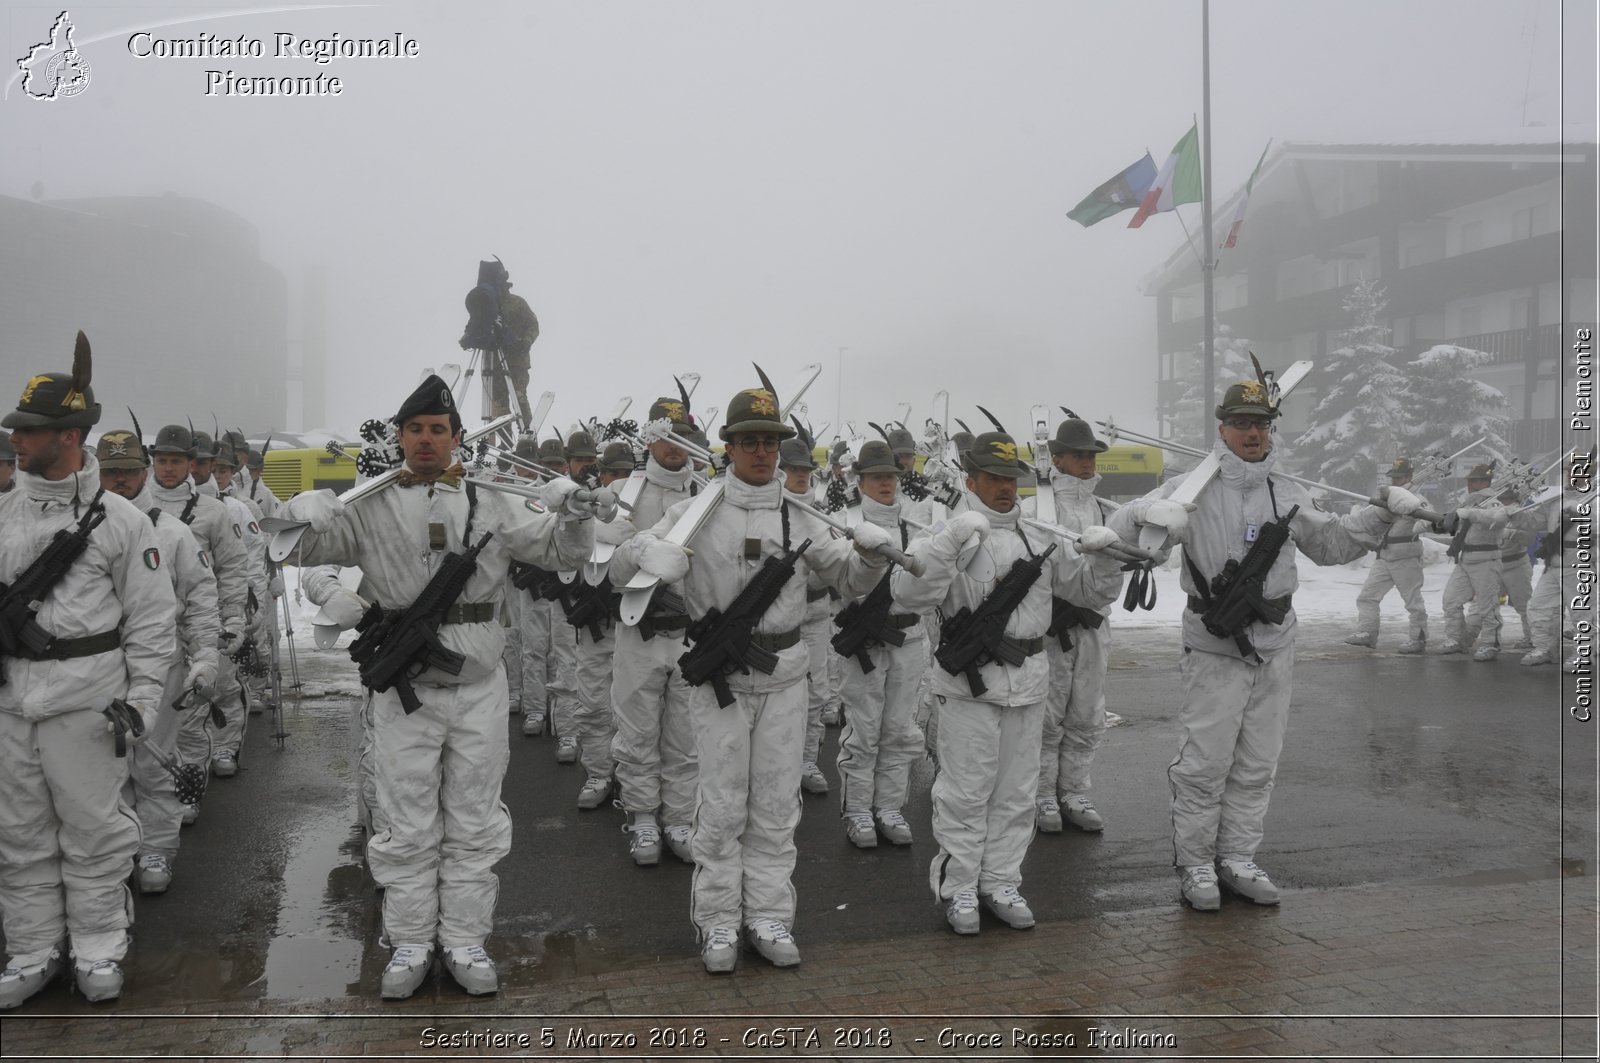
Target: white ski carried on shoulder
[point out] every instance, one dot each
(286, 533)
(638, 591)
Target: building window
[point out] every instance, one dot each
(1469, 320)
(1533, 221)
(1522, 311)
(1471, 237)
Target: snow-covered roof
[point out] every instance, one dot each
(1526, 144)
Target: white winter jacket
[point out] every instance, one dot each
(1087, 580)
(118, 583)
(219, 535)
(1075, 505)
(1239, 500)
(386, 534)
(194, 585)
(719, 569)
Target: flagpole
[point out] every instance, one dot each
(1208, 263)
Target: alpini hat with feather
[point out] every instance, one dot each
(877, 455)
(7, 451)
(1075, 434)
(58, 400)
(1401, 469)
(797, 452)
(994, 452)
(120, 448)
(617, 457)
(755, 410)
(674, 410)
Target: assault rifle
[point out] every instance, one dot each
(592, 606)
(542, 584)
(865, 623)
(1064, 616)
(391, 643)
(1234, 598)
(973, 638)
(20, 633)
(722, 641)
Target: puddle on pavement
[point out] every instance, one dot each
(316, 946)
(1510, 876)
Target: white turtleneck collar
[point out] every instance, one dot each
(82, 485)
(670, 479)
(996, 518)
(753, 496)
(207, 488)
(875, 512)
(181, 493)
(1236, 472)
(1071, 488)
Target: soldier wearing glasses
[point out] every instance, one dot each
(1236, 703)
(750, 751)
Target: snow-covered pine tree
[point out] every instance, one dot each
(1449, 408)
(1188, 419)
(1358, 423)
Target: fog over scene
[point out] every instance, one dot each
(690, 186)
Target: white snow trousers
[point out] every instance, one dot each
(150, 791)
(1231, 729)
(1516, 580)
(1074, 711)
(1548, 609)
(1472, 603)
(517, 649)
(747, 807)
(560, 651)
(229, 695)
(439, 772)
(67, 839)
(880, 740)
(983, 795)
(592, 720)
(1403, 574)
(816, 632)
(654, 742)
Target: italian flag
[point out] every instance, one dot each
(1178, 182)
(1244, 201)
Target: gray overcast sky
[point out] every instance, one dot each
(686, 186)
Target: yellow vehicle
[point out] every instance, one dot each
(1126, 471)
(288, 472)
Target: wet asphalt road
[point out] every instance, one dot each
(1395, 769)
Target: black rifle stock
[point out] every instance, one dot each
(722, 640)
(973, 638)
(395, 645)
(20, 633)
(1237, 593)
(865, 623)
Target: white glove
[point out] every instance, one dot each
(1483, 514)
(201, 676)
(1173, 516)
(1400, 502)
(320, 509)
(665, 561)
(966, 526)
(604, 501)
(345, 608)
(559, 498)
(275, 586)
(869, 539)
(1095, 538)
